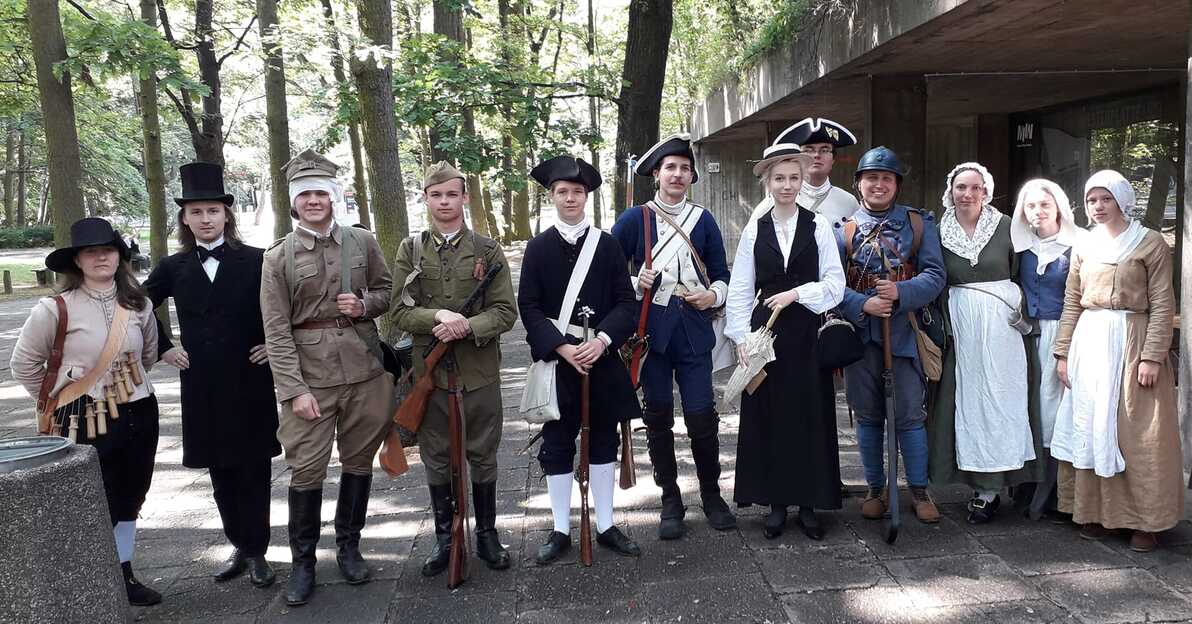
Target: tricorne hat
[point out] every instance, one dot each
(779, 152)
(568, 169)
(817, 130)
(441, 172)
(203, 181)
(89, 232)
(673, 145)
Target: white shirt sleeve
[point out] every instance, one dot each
(821, 296)
(741, 287)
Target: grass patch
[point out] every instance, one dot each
(22, 273)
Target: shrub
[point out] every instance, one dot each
(27, 237)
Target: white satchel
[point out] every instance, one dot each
(540, 396)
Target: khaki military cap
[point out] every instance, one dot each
(441, 172)
(309, 164)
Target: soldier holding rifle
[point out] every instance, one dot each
(438, 270)
(603, 303)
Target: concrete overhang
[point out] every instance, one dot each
(978, 56)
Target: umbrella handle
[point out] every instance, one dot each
(773, 317)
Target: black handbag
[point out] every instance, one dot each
(838, 344)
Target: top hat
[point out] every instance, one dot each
(817, 130)
(89, 232)
(673, 145)
(568, 169)
(203, 181)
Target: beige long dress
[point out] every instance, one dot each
(1149, 494)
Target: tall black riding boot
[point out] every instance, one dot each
(304, 539)
(350, 512)
(705, 450)
(488, 541)
(440, 554)
(661, 445)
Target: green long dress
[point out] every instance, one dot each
(997, 261)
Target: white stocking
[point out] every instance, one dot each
(559, 488)
(602, 482)
(126, 539)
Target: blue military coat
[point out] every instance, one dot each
(663, 320)
(912, 294)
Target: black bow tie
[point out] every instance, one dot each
(217, 253)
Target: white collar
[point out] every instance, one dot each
(816, 191)
(318, 235)
(571, 233)
(447, 236)
(219, 241)
(955, 239)
(670, 209)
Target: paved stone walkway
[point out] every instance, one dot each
(1012, 570)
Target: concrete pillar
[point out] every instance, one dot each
(896, 116)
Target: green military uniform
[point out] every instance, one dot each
(315, 349)
(436, 272)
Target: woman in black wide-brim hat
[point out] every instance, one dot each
(115, 411)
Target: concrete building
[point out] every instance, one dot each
(1054, 88)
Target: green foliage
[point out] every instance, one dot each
(108, 46)
(27, 237)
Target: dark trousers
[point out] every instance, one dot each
(242, 495)
(691, 370)
(126, 456)
(557, 453)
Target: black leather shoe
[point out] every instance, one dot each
(717, 511)
(440, 553)
(616, 541)
(705, 451)
(304, 540)
(981, 512)
(670, 523)
(775, 522)
(138, 595)
(488, 542)
(233, 567)
(557, 544)
(660, 442)
(350, 512)
(260, 573)
(810, 523)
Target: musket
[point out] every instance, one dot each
(413, 408)
(457, 566)
(585, 522)
(895, 520)
(628, 477)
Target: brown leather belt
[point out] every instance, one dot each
(339, 322)
(861, 283)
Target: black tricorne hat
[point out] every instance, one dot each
(817, 130)
(203, 181)
(89, 232)
(568, 169)
(673, 145)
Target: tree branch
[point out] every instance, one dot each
(239, 41)
(184, 110)
(80, 9)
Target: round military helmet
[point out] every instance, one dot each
(880, 159)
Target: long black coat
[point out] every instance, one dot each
(229, 409)
(546, 269)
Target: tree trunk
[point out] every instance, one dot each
(276, 115)
(57, 106)
(337, 68)
(22, 164)
(640, 103)
(10, 154)
(155, 174)
(487, 196)
(449, 22)
(208, 141)
(374, 85)
(594, 111)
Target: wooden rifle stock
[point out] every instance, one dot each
(628, 466)
(585, 463)
(457, 566)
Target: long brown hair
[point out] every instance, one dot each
(231, 233)
(129, 293)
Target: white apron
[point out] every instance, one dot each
(993, 430)
(1086, 424)
(1051, 389)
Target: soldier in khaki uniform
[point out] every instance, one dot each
(321, 287)
(438, 269)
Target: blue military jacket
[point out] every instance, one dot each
(1044, 293)
(663, 321)
(912, 294)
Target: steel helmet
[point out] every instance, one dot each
(880, 158)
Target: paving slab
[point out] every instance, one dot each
(826, 567)
(1115, 596)
(1060, 551)
(915, 539)
(959, 580)
(732, 598)
(465, 608)
(883, 603)
(334, 603)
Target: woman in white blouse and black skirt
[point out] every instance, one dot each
(788, 260)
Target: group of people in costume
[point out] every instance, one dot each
(1025, 353)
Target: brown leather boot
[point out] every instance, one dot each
(1093, 531)
(1143, 541)
(874, 505)
(925, 509)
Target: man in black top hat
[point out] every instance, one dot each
(547, 267)
(229, 410)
